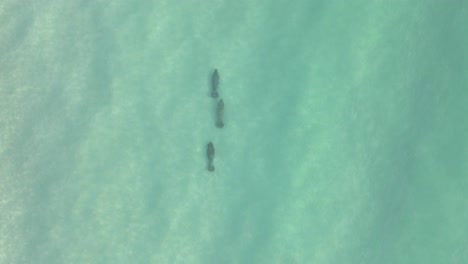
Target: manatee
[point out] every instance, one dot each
(210, 153)
(220, 114)
(214, 84)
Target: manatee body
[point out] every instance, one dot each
(210, 153)
(214, 84)
(220, 114)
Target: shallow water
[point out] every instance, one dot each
(345, 137)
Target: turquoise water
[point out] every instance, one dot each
(345, 139)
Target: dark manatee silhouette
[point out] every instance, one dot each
(214, 84)
(210, 153)
(220, 114)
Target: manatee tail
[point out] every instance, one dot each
(211, 167)
(214, 94)
(220, 124)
